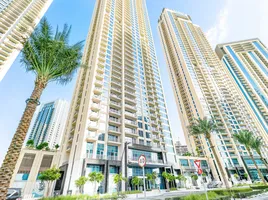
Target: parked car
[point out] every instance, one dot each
(13, 194)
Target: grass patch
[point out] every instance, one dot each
(211, 195)
(259, 187)
(173, 189)
(131, 192)
(87, 197)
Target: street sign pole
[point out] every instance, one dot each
(142, 163)
(144, 182)
(199, 171)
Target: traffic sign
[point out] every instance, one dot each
(200, 171)
(142, 160)
(197, 163)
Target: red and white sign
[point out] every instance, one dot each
(142, 160)
(197, 163)
(200, 171)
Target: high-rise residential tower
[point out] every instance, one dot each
(17, 21)
(203, 88)
(247, 63)
(49, 123)
(118, 110)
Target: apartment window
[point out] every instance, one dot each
(184, 162)
(100, 149)
(140, 133)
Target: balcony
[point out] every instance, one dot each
(112, 158)
(131, 132)
(70, 139)
(130, 107)
(68, 149)
(94, 116)
(92, 137)
(114, 130)
(93, 126)
(114, 121)
(131, 123)
(114, 140)
(95, 107)
(99, 76)
(115, 104)
(116, 90)
(98, 83)
(130, 100)
(148, 160)
(115, 112)
(114, 96)
(97, 90)
(131, 115)
(96, 98)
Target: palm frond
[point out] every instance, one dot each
(50, 57)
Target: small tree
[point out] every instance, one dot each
(118, 178)
(187, 154)
(194, 178)
(80, 183)
(30, 143)
(43, 145)
(182, 178)
(57, 146)
(149, 179)
(236, 176)
(154, 177)
(167, 177)
(246, 176)
(198, 152)
(95, 177)
(49, 176)
(136, 182)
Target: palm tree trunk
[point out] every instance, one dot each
(9, 163)
(264, 161)
(258, 170)
(222, 171)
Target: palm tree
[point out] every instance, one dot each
(167, 177)
(257, 144)
(206, 127)
(95, 177)
(182, 178)
(149, 179)
(52, 59)
(80, 183)
(136, 181)
(154, 177)
(118, 178)
(246, 138)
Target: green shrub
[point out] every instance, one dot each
(87, 197)
(211, 195)
(173, 189)
(131, 192)
(225, 192)
(259, 187)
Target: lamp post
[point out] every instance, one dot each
(125, 152)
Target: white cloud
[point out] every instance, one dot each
(218, 32)
(238, 20)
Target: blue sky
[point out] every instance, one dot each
(222, 20)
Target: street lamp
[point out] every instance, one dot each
(125, 152)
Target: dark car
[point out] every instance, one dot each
(13, 194)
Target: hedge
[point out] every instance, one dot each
(259, 187)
